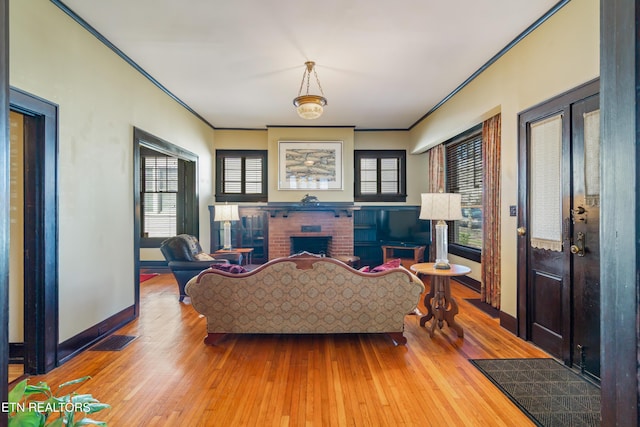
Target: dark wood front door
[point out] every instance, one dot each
(585, 249)
(558, 244)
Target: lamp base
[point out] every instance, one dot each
(442, 262)
(227, 236)
(442, 265)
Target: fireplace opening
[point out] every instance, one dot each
(318, 245)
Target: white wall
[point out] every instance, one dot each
(101, 98)
(559, 55)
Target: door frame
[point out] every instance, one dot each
(4, 213)
(41, 231)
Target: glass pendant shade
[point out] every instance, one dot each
(309, 106)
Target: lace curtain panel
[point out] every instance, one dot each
(546, 181)
(592, 157)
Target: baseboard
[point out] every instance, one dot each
(16, 352)
(509, 323)
(468, 282)
(85, 339)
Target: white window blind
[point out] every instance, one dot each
(464, 176)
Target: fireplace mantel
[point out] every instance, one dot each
(284, 208)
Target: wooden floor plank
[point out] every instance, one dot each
(168, 377)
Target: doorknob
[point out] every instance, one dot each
(521, 231)
(579, 248)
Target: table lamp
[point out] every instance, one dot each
(226, 213)
(441, 207)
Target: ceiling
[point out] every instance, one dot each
(381, 64)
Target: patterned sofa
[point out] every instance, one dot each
(305, 294)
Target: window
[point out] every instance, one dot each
(241, 176)
(159, 194)
(165, 190)
(380, 176)
(464, 176)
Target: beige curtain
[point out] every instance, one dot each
(490, 288)
(436, 184)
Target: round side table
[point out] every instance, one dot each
(441, 306)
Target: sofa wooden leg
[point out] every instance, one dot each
(397, 337)
(213, 337)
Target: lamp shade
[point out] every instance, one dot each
(437, 206)
(226, 213)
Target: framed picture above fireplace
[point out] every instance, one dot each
(306, 165)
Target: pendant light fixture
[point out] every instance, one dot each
(309, 106)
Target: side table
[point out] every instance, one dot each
(246, 253)
(441, 306)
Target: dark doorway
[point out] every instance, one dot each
(559, 222)
(40, 236)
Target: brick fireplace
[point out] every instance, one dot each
(336, 227)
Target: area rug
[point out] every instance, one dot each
(113, 343)
(147, 276)
(491, 311)
(545, 390)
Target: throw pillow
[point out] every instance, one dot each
(394, 263)
(364, 269)
(203, 257)
(229, 268)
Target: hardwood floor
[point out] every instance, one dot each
(15, 372)
(168, 377)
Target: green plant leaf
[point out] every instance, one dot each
(89, 422)
(76, 381)
(96, 407)
(40, 388)
(16, 394)
(27, 419)
(59, 422)
(83, 398)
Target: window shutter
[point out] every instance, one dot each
(389, 172)
(253, 175)
(368, 176)
(232, 175)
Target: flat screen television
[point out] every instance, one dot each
(402, 226)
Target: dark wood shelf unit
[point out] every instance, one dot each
(251, 231)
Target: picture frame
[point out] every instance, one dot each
(310, 165)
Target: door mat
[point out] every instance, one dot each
(491, 311)
(545, 390)
(113, 343)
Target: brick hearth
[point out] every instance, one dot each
(339, 228)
